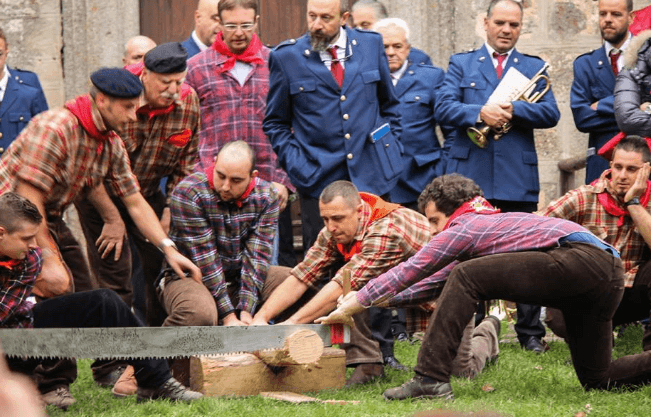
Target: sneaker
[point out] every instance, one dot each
(127, 384)
(111, 378)
(60, 398)
(418, 388)
(172, 390)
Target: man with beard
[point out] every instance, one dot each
(591, 97)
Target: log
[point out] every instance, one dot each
(302, 347)
(245, 374)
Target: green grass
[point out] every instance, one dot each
(525, 384)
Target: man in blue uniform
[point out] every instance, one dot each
(206, 27)
(591, 97)
(506, 169)
(21, 97)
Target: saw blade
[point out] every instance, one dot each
(154, 342)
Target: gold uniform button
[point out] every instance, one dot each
(347, 135)
(342, 98)
(346, 116)
(21, 118)
(472, 84)
(2, 150)
(349, 156)
(386, 145)
(417, 98)
(0, 135)
(300, 89)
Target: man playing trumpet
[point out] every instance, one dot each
(506, 170)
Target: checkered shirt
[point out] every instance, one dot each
(56, 155)
(219, 237)
(153, 151)
(230, 111)
(582, 206)
(15, 286)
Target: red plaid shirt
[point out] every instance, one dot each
(16, 285)
(56, 155)
(230, 111)
(581, 206)
(164, 145)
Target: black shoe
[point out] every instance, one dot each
(418, 388)
(365, 372)
(393, 363)
(172, 390)
(402, 337)
(535, 345)
(111, 378)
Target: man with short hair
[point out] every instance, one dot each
(516, 256)
(506, 169)
(20, 263)
(617, 210)
(21, 97)
(591, 96)
(366, 13)
(364, 235)
(206, 27)
(136, 48)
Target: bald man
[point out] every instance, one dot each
(136, 48)
(206, 27)
(224, 218)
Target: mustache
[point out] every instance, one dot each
(174, 96)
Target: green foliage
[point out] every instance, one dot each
(525, 384)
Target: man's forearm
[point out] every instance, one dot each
(642, 220)
(100, 199)
(287, 293)
(323, 303)
(145, 218)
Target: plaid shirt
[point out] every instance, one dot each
(155, 150)
(470, 235)
(56, 155)
(15, 286)
(220, 237)
(230, 111)
(582, 206)
(385, 243)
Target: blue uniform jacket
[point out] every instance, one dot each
(508, 168)
(417, 89)
(321, 133)
(594, 81)
(419, 57)
(22, 101)
(191, 46)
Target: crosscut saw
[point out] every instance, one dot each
(156, 342)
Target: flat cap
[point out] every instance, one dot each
(116, 82)
(168, 58)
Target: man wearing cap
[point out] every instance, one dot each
(66, 152)
(160, 143)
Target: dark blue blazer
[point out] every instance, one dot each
(419, 57)
(21, 102)
(31, 79)
(417, 89)
(594, 80)
(508, 168)
(321, 133)
(191, 46)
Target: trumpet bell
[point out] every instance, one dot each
(479, 136)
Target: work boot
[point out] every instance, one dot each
(419, 387)
(60, 398)
(111, 378)
(172, 390)
(127, 384)
(364, 373)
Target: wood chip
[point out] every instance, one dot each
(487, 388)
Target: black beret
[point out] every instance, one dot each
(167, 58)
(116, 82)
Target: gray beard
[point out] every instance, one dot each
(319, 42)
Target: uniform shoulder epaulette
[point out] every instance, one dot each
(587, 53)
(424, 65)
(285, 43)
(533, 56)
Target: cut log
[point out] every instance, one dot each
(302, 347)
(245, 374)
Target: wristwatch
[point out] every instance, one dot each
(166, 243)
(647, 109)
(635, 201)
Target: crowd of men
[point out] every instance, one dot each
(182, 166)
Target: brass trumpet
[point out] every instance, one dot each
(525, 92)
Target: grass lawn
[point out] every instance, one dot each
(525, 384)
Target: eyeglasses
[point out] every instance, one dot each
(246, 27)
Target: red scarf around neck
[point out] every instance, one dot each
(614, 207)
(477, 205)
(82, 107)
(10, 264)
(238, 201)
(250, 54)
(379, 209)
(137, 69)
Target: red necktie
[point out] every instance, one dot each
(336, 68)
(500, 60)
(614, 56)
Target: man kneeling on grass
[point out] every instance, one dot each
(20, 263)
(513, 256)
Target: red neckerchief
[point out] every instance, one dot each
(614, 207)
(250, 54)
(81, 107)
(10, 264)
(238, 201)
(137, 69)
(477, 205)
(607, 150)
(379, 209)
